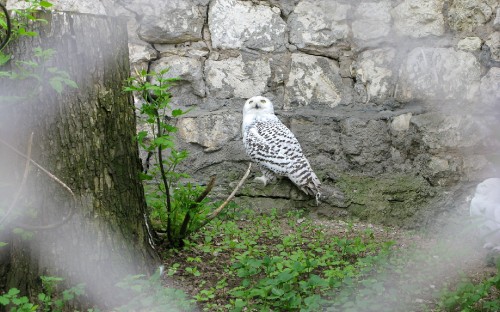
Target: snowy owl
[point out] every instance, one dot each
(271, 145)
(485, 206)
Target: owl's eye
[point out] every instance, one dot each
(263, 101)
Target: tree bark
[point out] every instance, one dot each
(85, 137)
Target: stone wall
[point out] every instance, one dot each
(396, 103)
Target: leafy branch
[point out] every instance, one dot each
(37, 69)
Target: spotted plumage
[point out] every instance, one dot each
(271, 145)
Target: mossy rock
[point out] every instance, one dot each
(397, 200)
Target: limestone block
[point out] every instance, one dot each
(318, 23)
(372, 20)
(210, 131)
(313, 80)
(401, 122)
(188, 70)
(437, 165)
(366, 142)
(141, 53)
(419, 18)
(490, 89)
(493, 43)
(374, 70)
(470, 44)
(237, 77)
(315, 136)
(173, 21)
(444, 131)
(236, 24)
(437, 74)
(286, 6)
(87, 7)
(465, 15)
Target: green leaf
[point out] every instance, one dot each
(13, 292)
(70, 83)
(45, 4)
(20, 301)
(3, 244)
(169, 128)
(4, 301)
(277, 292)
(4, 58)
(177, 112)
(141, 135)
(42, 297)
(239, 304)
(165, 142)
(56, 84)
(284, 276)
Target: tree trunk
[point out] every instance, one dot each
(85, 137)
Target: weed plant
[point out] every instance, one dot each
(469, 296)
(176, 209)
(264, 263)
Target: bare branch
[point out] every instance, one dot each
(53, 177)
(216, 212)
(207, 189)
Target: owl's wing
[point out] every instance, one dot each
(273, 146)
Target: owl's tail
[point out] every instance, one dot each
(311, 186)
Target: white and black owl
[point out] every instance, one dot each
(270, 144)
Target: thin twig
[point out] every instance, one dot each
(224, 204)
(23, 181)
(53, 177)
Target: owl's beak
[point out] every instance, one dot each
(257, 106)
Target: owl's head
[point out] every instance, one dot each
(258, 105)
